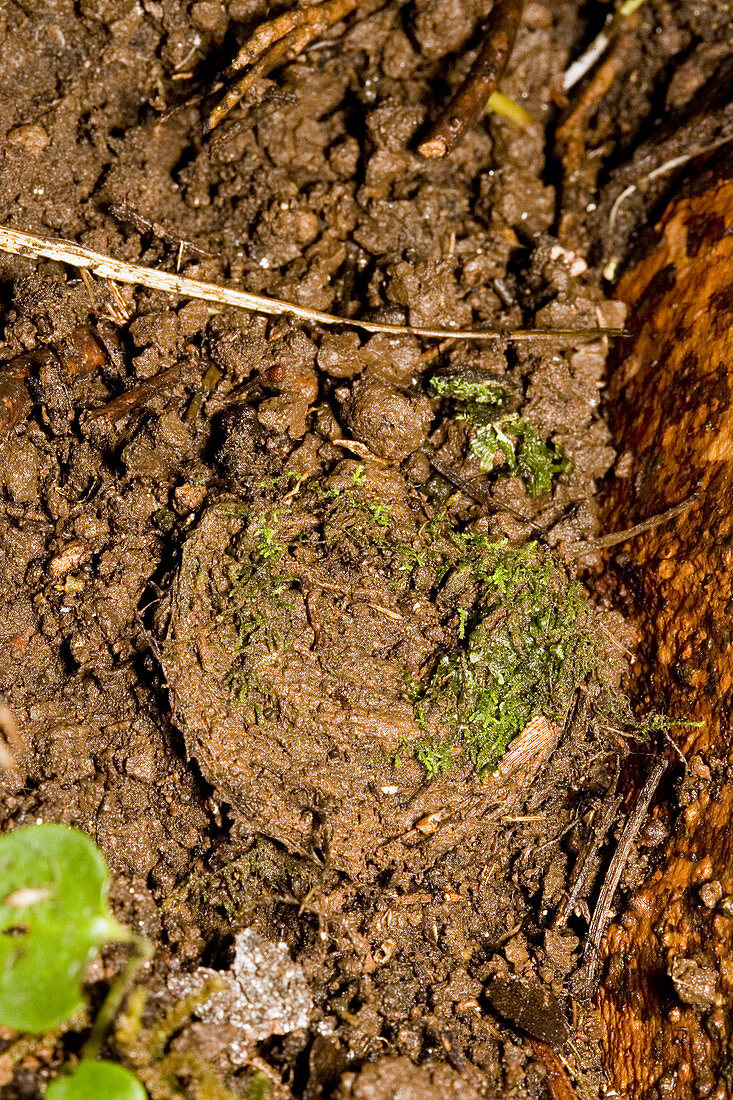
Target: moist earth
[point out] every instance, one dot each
(238, 769)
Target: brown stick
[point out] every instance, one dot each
(575, 131)
(270, 32)
(587, 865)
(127, 402)
(616, 537)
(124, 213)
(557, 1079)
(588, 973)
(469, 102)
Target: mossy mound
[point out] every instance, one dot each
(334, 646)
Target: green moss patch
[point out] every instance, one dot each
(498, 431)
(522, 649)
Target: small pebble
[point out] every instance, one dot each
(68, 559)
(711, 893)
(208, 16)
(654, 832)
(32, 137)
(694, 984)
(187, 498)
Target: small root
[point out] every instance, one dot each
(587, 976)
(469, 102)
(280, 39)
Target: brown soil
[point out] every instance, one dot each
(147, 445)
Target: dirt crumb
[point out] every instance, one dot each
(400, 1079)
(389, 421)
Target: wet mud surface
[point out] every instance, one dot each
(230, 559)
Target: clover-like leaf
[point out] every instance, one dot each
(53, 917)
(97, 1081)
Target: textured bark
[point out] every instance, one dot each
(671, 396)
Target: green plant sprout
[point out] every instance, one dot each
(269, 548)
(92, 1080)
(485, 405)
(508, 108)
(434, 757)
(467, 389)
(54, 917)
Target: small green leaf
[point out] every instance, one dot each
(53, 917)
(97, 1080)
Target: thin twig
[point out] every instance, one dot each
(267, 34)
(68, 252)
(478, 493)
(276, 41)
(360, 449)
(616, 537)
(469, 102)
(126, 214)
(587, 860)
(556, 1078)
(586, 977)
(575, 131)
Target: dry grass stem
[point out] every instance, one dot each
(106, 267)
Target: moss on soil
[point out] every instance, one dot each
(497, 430)
(524, 637)
(523, 648)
